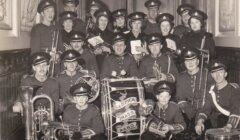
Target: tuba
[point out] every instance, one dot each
(36, 114)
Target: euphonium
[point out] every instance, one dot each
(38, 110)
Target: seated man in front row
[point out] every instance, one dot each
(120, 63)
(221, 101)
(166, 116)
(85, 115)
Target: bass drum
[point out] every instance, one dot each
(121, 100)
(220, 134)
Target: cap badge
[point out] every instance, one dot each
(196, 13)
(182, 9)
(81, 89)
(38, 57)
(216, 64)
(164, 17)
(68, 15)
(75, 36)
(153, 38)
(137, 16)
(189, 53)
(70, 55)
(152, 3)
(93, 2)
(164, 86)
(105, 13)
(119, 13)
(47, 3)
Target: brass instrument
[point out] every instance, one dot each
(36, 116)
(53, 52)
(205, 58)
(90, 78)
(65, 131)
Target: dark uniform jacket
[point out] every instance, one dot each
(181, 30)
(42, 38)
(171, 115)
(194, 39)
(151, 28)
(188, 93)
(119, 63)
(165, 63)
(225, 97)
(79, 25)
(90, 61)
(66, 37)
(49, 87)
(89, 118)
(66, 82)
(130, 37)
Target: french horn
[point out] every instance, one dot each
(89, 77)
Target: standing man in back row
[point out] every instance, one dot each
(153, 10)
(72, 5)
(184, 28)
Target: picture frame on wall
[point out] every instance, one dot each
(226, 23)
(6, 14)
(9, 25)
(226, 17)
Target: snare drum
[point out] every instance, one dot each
(120, 104)
(219, 134)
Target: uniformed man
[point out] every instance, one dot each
(170, 41)
(102, 17)
(136, 21)
(70, 75)
(42, 34)
(120, 21)
(78, 44)
(220, 101)
(198, 35)
(67, 20)
(166, 116)
(72, 5)
(182, 29)
(191, 88)
(157, 65)
(48, 86)
(83, 114)
(153, 10)
(119, 64)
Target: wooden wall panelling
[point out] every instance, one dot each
(14, 64)
(232, 57)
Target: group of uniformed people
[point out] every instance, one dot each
(172, 62)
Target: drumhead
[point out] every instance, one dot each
(220, 134)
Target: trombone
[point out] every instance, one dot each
(53, 52)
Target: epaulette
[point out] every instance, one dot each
(174, 103)
(25, 76)
(126, 32)
(208, 34)
(235, 85)
(94, 106)
(63, 72)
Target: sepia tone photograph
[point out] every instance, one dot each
(119, 70)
